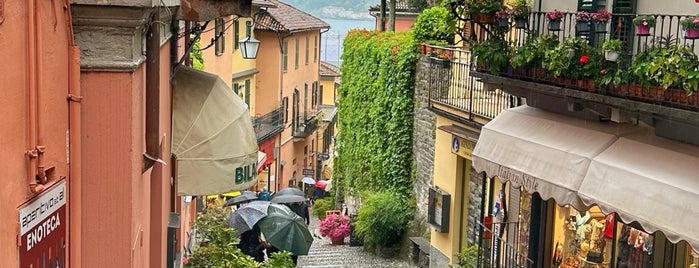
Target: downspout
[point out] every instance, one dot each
(152, 109)
(33, 151)
(75, 147)
(277, 176)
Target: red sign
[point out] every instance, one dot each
(43, 230)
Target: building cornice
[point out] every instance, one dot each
(111, 38)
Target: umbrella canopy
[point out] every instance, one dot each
(244, 218)
(289, 191)
(285, 199)
(321, 184)
(286, 230)
(244, 197)
(212, 135)
(328, 186)
(308, 180)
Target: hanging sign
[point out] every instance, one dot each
(43, 229)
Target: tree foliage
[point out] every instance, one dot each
(376, 113)
(435, 25)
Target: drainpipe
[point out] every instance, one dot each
(152, 108)
(32, 98)
(74, 146)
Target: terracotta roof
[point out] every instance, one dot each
(401, 6)
(286, 18)
(327, 69)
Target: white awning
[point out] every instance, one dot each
(544, 152)
(621, 168)
(650, 180)
(212, 135)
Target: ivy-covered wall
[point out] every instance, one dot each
(376, 113)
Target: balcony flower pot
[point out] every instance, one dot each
(520, 23)
(600, 27)
(484, 18)
(642, 30)
(503, 23)
(582, 26)
(691, 33)
(554, 25)
(338, 240)
(336, 227)
(611, 55)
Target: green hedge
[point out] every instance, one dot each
(376, 113)
(382, 220)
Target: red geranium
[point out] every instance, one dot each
(584, 59)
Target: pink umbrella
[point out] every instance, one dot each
(321, 184)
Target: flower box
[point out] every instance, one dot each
(642, 30)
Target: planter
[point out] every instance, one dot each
(440, 62)
(642, 30)
(693, 99)
(503, 23)
(483, 18)
(521, 23)
(653, 93)
(338, 240)
(611, 55)
(691, 34)
(674, 95)
(554, 25)
(600, 27)
(635, 90)
(582, 26)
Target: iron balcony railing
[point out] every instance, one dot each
(452, 85)
(268, 125)
(636, 44)
(305, 126)
(500, 246)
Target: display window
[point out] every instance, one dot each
(592, 239)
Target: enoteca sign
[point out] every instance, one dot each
(43, 229)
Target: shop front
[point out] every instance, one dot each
(590, 193)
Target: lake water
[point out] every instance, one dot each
(331, 41)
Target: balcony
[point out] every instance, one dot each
(453, 88)
(268, 125)
(657, 71)
(304, 127)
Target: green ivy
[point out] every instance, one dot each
(376, 113)
(197, 58)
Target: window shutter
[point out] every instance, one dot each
(247, 92)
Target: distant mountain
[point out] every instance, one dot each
(335, 9)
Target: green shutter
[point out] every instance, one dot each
(235, 88)
(247, 92)
(236, 26)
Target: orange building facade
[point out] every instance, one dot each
(86, 147)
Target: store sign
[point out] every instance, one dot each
(43, 229)
(462, 147)
(308, 171)
(530, 183)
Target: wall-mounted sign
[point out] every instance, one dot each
(461, 146)
(308, 171)
(43, 227)
(438, 210)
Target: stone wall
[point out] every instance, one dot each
(423, 147)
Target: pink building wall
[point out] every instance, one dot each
(36, 42)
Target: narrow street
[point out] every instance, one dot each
(324, 254)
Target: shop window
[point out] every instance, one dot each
(438, 209)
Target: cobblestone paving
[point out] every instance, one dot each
(324, 254)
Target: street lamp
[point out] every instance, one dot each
(249, 46)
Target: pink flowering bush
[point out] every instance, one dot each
(335, 226)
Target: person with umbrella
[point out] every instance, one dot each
(252, 245)
(284, 230)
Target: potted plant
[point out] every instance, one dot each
(601, 18)
(612, 48)
(484, 10)
(520, 13)
(555, 18)
(336, 227)
(582, 19)
(691, 26)
(531, 54)
(503, 17)
(643, 24)
(491, 54)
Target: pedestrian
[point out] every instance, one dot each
(252, 245)
(264, 195)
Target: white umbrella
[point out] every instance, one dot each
(212, 135)
(308, 180)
